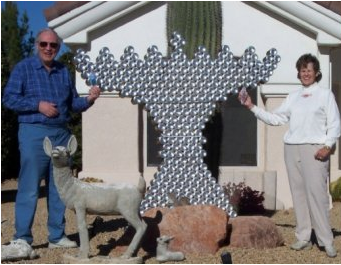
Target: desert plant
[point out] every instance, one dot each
(233, 192)
(200, 23)
(335, 190)
(75, 123)
(17, 43)
(244, 199)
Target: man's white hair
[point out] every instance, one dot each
(48, 30)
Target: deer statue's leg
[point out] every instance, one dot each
(83, 233)
(140, 227)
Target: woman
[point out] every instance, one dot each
(314, 127)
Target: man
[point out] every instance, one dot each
(40, 90)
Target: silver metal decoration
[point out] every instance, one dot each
(180, 95)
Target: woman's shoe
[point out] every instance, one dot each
(301, 245)
(330, 250)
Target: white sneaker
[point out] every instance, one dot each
(301, 245)
(63, 243)
(16, 250)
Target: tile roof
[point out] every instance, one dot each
(334, 6)
(62, 7)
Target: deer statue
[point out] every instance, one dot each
(95, 198)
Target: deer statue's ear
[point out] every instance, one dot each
(72, 145)
(47, 146)
(169, 238)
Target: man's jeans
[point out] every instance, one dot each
(35, 166)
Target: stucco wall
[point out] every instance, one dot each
(110, 127)
(109, 140)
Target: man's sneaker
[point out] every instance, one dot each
(63, 243)
(300, 245)
(17, 249)
(331, 252)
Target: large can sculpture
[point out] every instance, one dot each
(180, 94)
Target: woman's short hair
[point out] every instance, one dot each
(303, 61)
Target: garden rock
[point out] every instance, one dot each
(258, 232)
(199, 229)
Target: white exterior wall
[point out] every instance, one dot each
(336, 87)
(110, 127)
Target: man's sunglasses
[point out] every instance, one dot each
(53, 45)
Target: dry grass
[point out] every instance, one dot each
(107, 240)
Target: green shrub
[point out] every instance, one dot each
(335, 189)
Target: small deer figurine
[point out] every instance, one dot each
(162, 252)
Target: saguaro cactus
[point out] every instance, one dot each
(199, 22)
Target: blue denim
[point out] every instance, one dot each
(35, 166)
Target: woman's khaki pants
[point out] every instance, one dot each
(308, 179)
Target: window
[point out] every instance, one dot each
(153, 145)
(239, 133)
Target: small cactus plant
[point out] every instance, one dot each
(335, 190)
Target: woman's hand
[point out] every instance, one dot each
(323, 153)
(245, 99)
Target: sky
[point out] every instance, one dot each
(35, 13)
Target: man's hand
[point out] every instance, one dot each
(94, 93)
(48, 109)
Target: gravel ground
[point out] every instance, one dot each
(107, 239)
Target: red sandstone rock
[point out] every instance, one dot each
(254, 232)
(195, 228)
